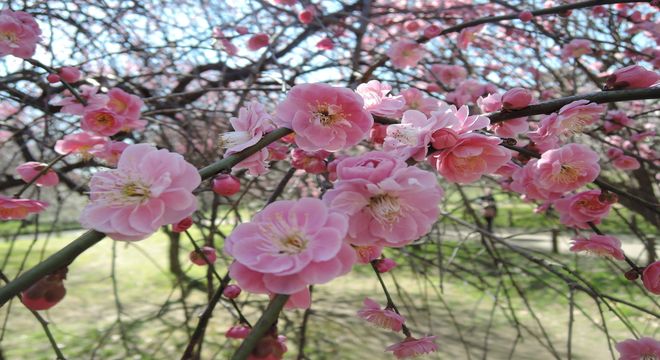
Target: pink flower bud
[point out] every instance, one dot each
(432, 31)
(226, 185)
(182, 225)
(306, 16)
(45, 293)
(516, 98)
(258, 41)
(385, 265)
(631, 77)
(444, 138)
(232, 291)
(651, 278)
(197, 258)
(238, 332)
(53, 78)
(325, 44)
(241, 30)
(412, 26)
(70, 74)
(526, 16)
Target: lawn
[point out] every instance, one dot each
(469, 313)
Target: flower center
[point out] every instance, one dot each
(469, 163)
(576, 124)
(328, 114)
(293, 243)
(567, 174)
(105, 119)
(9, 37)
(385, 208)
(233, 138)
(136, 191)
(648, 357)
(591, 204)
(406, 135)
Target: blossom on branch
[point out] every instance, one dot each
(150, 188)
(19, 34)
(324, 117)
(289, 245)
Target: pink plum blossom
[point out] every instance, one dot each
(378, 133)
(631, 77)
(31, 169)
(249, 127)
(472, 156)
(432, 31)
(601, 245)
(19, 34)
(449, 75)
(384, 265)
(625, 162)
(125, 105)
(46, 292)
(546, 136)
(71, 105)
(257, 41)
(405, 53)
(325, 44)
(232, 291)
(415, 100)
(366, 254)
(411, 137)
(523, 183)
(289, 245)
(616, 120)
(238, 332)
(467, 36)
(516, 98)
(150, 188)
(510, 128)
(573, 117)
(16, 209)
(567, 168)
(525, 16)
(69, 74)
(490, 103)
(651, 278)
(80, 143)
(645, 348)
(576, 48)
(307, 15)
(109, 152)
(182, 225)
(374, 93)
(388, 203)
(469, 91)
(587, 206)
(277, 151)
(412, 347)
(385, 318)
(324, 117)
(312, 162)
(206, 255)
(102, 122)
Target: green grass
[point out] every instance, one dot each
(152, 316)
